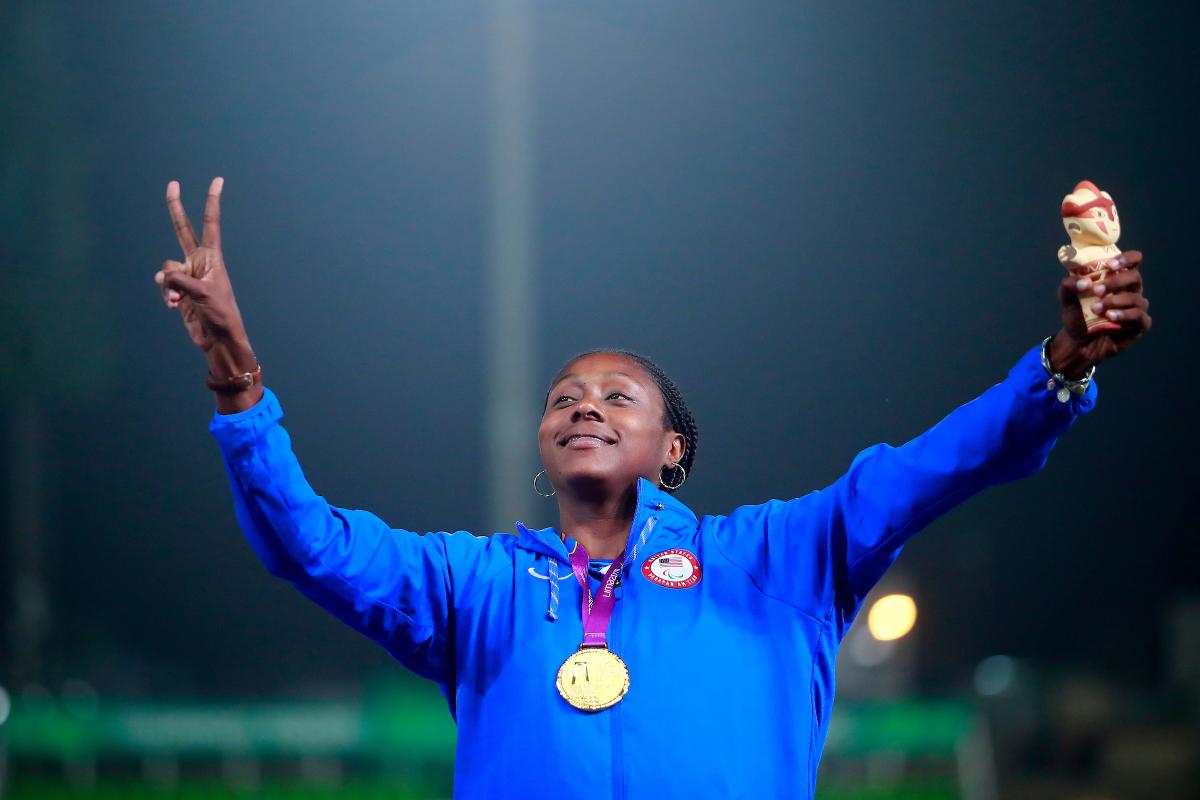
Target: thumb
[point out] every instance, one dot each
(173, 275)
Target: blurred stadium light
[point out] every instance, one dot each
(878, 656)
(892, 616)
(994, 675)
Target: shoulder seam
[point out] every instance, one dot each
(761, 590)
(484, 583)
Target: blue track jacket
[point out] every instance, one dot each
(732, 675)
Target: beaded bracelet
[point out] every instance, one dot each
(1061, 384)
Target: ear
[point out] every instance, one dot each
(676, 447)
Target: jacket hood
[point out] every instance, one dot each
(674, 520)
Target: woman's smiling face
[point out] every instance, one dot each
(603, 424)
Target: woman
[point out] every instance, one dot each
(633, 650)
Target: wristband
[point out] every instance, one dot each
(238, 383)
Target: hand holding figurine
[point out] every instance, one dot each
(1090, 217)
(1104, 308)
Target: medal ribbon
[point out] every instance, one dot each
(597, 612)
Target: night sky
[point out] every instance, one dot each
(831, 225)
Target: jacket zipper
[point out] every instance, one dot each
(615, 626)
(618, 761)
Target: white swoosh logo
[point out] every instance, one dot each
(547, 577)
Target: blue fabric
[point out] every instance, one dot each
(732, 679)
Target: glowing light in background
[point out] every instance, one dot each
(510, 342)
(891, 617)
(994, 675)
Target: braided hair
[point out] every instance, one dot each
(676, 414)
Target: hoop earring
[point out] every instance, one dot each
(543, 494)
(681, 480)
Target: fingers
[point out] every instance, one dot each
(183, 228)
(1069, 289)
(1130, 259)
(176, 283)
(1122, 280)
(212, 215)
(1125, 307)
(1133, 321)
(171, 297)
(1121, 300)
(1126, 280)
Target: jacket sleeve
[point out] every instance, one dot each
(395, 586)
(824, 551)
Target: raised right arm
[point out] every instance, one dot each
(395, 586)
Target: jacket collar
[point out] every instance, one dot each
(674, 518)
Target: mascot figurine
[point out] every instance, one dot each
(1090, 217)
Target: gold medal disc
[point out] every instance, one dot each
(593, 678)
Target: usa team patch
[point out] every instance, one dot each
(674, 569)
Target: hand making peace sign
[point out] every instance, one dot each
(199, 286)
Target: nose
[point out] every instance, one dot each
(586, 407)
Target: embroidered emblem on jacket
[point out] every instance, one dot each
(674, 569)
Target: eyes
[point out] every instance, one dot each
(610, 394)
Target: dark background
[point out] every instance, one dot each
(831, 225)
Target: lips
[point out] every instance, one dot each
(584, 439)
(584, 443)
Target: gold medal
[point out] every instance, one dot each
(593, 678)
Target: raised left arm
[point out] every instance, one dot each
(825, 550)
